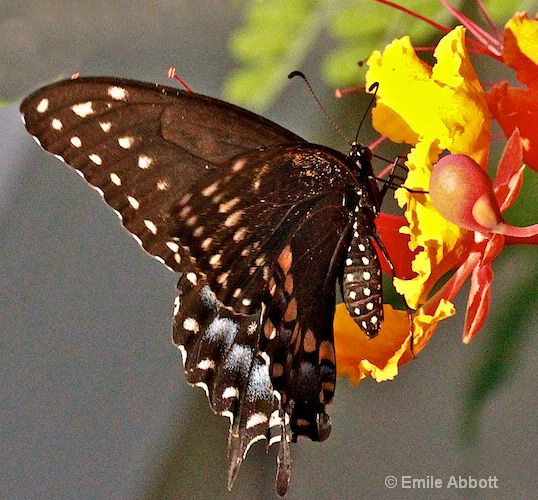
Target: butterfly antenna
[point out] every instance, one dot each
(373, 88)
(300, 74)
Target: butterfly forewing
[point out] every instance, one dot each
(258, 222)
(141, 145)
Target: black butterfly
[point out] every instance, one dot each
(260, 223)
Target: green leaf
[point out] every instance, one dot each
(362, 30)
(501, 12)
(523, 211)
(276, 38)
(278, 35)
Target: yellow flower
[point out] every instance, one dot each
(438, 108)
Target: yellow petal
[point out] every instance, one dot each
(434, 109)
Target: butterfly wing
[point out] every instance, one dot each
(268, 235)
(272, 371)
(257, 227)
(141, 144)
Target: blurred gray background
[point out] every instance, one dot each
(93, 401)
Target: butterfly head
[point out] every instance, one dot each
(361, 154)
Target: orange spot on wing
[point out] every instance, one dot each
(285, 259)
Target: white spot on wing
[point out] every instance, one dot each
(206, 364)
(215, 260)
(42, 106)
(151, 226)
(96, 159)
(144, 161)
(125, 142)
(56, 124)
(183, 352)
(206, 243)
(192, 278)
(177, 304)
(209, 190)
(106, 126)
(230, 392)
(233, 219)
(203, 385)
(162, 185)
(172, 245)
(226, 206)
(117, 93)
(133, 202)
(83, 109)
(115, 178)
(256, 419)
(240, 234)
(76, 141)
(191, 325)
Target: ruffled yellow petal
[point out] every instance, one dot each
(359, 357)
(520, 48)
(434, 109)
(443, 103)
(442, 245)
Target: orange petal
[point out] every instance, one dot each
(509, 178)
(396, 243)
(478, 301)
(358, 356)
(520, 49)
(515, 107)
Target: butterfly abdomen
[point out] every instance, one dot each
(361, 278)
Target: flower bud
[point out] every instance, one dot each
(462, 193)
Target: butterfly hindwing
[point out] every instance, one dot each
(237, 220)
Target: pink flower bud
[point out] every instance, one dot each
(462, 193)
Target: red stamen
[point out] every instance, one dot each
(488, 19)
(341, 92)
(482, 35)
(440, 27)
(372, 146)
(477, 47)
(172, 74)
(425, 49)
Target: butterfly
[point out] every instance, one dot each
(260, 223)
